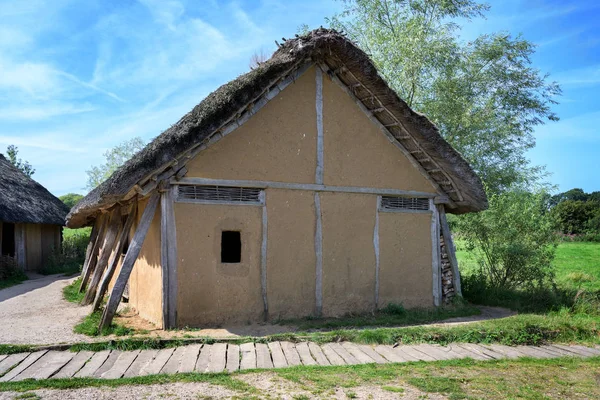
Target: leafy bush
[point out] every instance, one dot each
(576, 216)
(9, 269)
(513, 242)
(70, 257)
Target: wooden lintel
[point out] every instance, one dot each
(132, 254)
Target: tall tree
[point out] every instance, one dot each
(485, 96)
(70, 199)
(115, 157)
(24, 166)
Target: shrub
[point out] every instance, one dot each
(70, 257)
(9, 270)
(513, 242)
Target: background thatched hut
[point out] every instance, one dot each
(31, 218)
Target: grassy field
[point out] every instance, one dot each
(577, 264)
(459, 379)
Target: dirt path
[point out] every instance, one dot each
(35, 312)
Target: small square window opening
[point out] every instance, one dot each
(231, 247)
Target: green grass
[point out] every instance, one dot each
(12, 281)
(578, 265)
(523, 378)
(71, 292)
(89, 327)
(392, 315)
(15, 348)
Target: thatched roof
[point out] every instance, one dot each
(455, 175)
(24, 200)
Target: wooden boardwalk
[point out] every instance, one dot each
(223, 357)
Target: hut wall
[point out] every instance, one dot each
(290, 253)
(357, 153)
(277, 144)
(405, 273)
(145, 282)
(209, 291)
(33, 247)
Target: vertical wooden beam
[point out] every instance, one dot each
(450, 249)
(88, 268)
(114, 260)
(20, 246)
(435, 254)
(132, 254)
(263, 258)
(319, 107)
(91, 243)
(376, 249)
(319, 257)
(0, 238)
(108, 244)
(168, 256)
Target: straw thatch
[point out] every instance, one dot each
(463, 186)
(23, 200)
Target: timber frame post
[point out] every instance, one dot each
(168, 254)
(90, 262)
(132, 254)
(450, 249)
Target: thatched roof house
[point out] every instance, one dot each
(352, 184)
(31, 218)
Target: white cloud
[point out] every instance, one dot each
(579, 77)
(165, 12)
(39, 112)
(36, 79)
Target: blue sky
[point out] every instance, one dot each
(79, 77)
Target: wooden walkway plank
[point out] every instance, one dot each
(559, 351)
(248, 360)
(279, 360)
(156, 365)
(263, 356)
(480, 352)
(506, 351)
(464, 353)
(233, 358)
(304, 353)
(172, 365)
(110, 361)
(432, 351)
(318, 354)
(573, 350)
(122, 363)
(30, 359)
(3, 356)
(74, 365)
(413, 351)
(368, 350)
(332, 355)
(217, 357)
(389, 354)
(593, 352)
(189, 358)
(141, 361)
(291, 354)
(361, 357)
(203, 358)
(532, 351)
(47, 365)
(342, 352)
(93, 364)
(10, 361)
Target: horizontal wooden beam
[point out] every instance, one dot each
(301, 186)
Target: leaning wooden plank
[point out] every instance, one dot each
(304, 353)
(91, 264)
(279, 360)
(93, 364)
(263, 356)
(11, 361)
(76, 363)
(141, 361)
(30, 359)
(248, 360)
(233, 358)
(130, 258)
(51, 362)
(90, 246)
(121, 365)
(450, 250)
(114, 260)
(112, 232)
(317, 354)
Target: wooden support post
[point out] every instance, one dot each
(88, 268)
(435, 254)
(20, 246)
(168, 256)
(90, 245)
(108, 244)
(114, 259)
(132, 254)
(450, 250)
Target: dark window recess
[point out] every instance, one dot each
(404, 203)
(231, 247)
(126, 240)
(8, 239)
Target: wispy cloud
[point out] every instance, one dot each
(39, 112)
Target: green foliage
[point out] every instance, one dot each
(71, 292)
(89, 327)
(485, 96)
(115, 157)
(70, 257)
(24, 166)
(70, 199)
(15, 348)
(10, 273)
(573, 215)
(513, 242)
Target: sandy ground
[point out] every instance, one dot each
(34, 312)
(268, 385)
